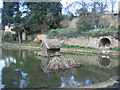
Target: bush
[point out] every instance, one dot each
(52, 33)
(87, 22)
(8, 37)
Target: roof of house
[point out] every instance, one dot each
(52, 43)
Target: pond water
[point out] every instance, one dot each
(22, 69)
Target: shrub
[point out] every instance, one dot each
(87, 22)
(8, 37)
(52, 33)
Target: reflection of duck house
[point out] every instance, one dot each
(50, 46)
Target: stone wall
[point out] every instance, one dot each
(36, 37)
(90, 41)
(40, 37)
(80, 41)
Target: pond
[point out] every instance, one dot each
(22, 69)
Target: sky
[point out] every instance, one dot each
(66, 2)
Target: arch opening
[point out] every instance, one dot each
(104, 42)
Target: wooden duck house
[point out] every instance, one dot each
(50, 46)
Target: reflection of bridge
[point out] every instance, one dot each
(95, 60)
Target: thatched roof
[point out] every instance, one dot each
(52, 43)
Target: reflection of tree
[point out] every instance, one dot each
(29, 65)
(27, 73)
(15, 75)
(11, 78)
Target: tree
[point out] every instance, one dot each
(75, 11)
(87, 22)
(112, 2)
(42, 16)
(81, 11)
(8, 13)
(12, 15)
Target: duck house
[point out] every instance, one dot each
(50, 46)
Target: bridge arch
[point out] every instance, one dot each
(105, 42)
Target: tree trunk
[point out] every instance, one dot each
(94, 8)
(19, 37)
(112, 9)
(101, 8)
(24, 36)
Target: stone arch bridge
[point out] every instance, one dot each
(96, 42)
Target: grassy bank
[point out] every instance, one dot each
(37, 45)
(78, 47)
(74, 32)
(102, 32)
(63, 33)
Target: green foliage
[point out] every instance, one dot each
(71, 53)
(42, 16)
(87, 22)
(101, 32)
(11, 13)
(53, 33)
(35, 44)
(76, 46)
(82, 10)
(115, 49)
(8, 37)
(63, 33)
(73, 33)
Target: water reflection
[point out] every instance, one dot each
(98, 60)
(14, 78)
(2, 65)
(71, 82)
(9, 61)
(104, 61)
(12, 74)
(21, 69)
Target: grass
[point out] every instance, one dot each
(34, 44)
(71, 53)
(101, 32)
(86, 48)
(74, 32)
(114, 49)
(63, 33)
(78, 47)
